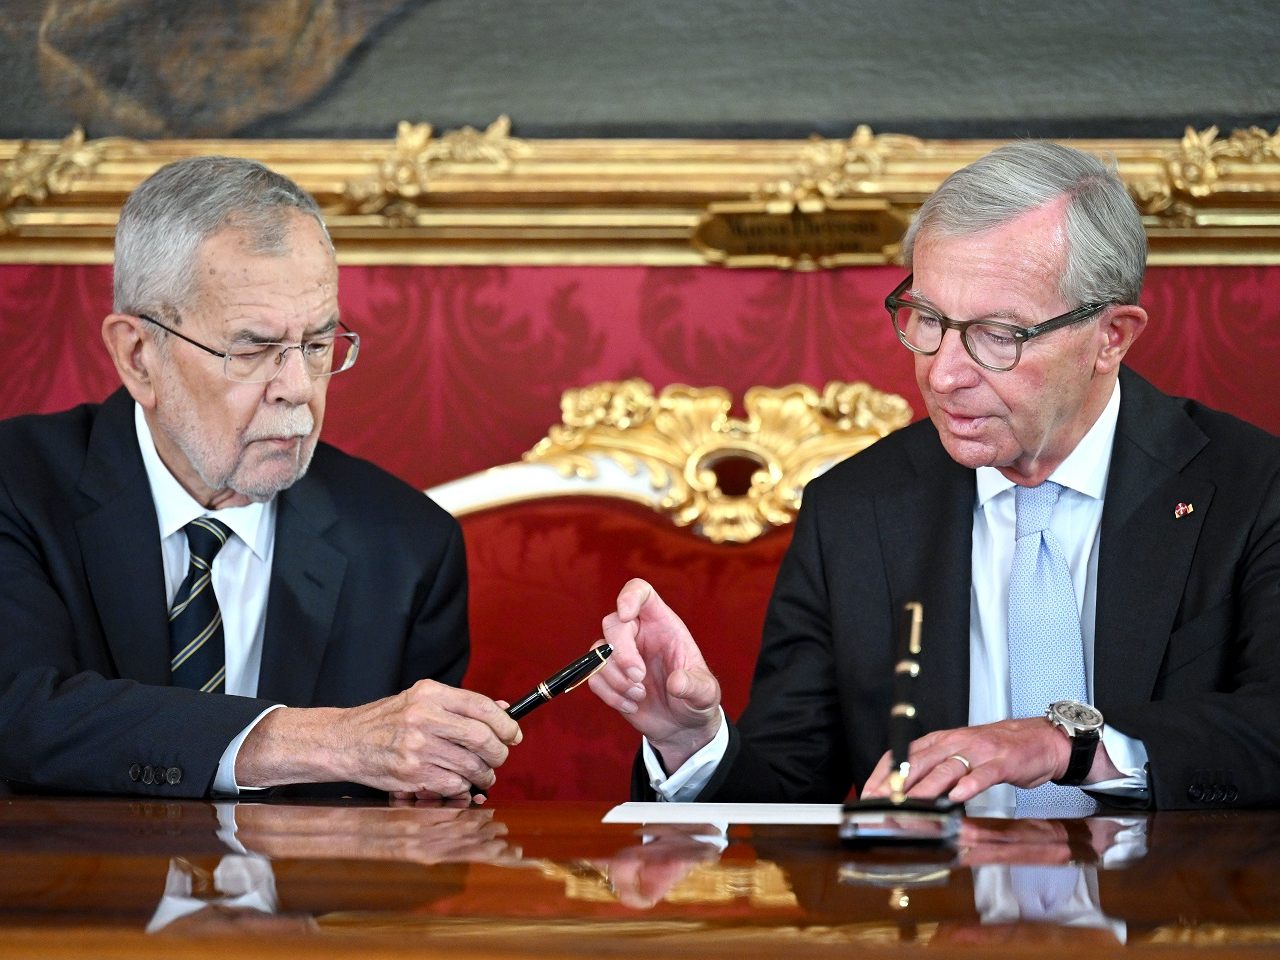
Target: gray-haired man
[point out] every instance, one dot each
(197, 595)
(1124, 642)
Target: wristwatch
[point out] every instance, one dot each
(1083, 725)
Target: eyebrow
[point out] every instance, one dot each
(1000, 316)
(245, 335)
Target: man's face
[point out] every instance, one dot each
(1024, 421)
(230, 443)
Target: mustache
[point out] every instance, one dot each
(297, 423)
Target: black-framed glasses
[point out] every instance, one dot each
(994, 345)
(251, 361)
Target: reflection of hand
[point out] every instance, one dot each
(1025, 753)
(437, 833)
(1030, 841)
(643, 875)
(656, 677)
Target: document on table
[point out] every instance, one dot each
(820, 813)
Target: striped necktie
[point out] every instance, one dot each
(1046, 650)
(198, 653)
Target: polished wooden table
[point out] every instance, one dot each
(126, 878)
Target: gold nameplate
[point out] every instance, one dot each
(804, 236)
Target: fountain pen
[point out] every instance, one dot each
(562, 682)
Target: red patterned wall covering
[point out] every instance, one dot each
(462, 367)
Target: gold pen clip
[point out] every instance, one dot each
(594, 670)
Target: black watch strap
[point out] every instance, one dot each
(1083, 746)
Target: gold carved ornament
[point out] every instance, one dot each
(41, 170)
(405, 173)
(473, 196)
(680, 436)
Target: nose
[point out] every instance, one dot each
(293, 384)
(951, 368)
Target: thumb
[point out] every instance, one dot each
(699, 690)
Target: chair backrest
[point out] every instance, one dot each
(668, 486)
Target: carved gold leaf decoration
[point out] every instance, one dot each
(45, 169)
(683, 437)
(406, 172)
(1196, 167)
(835, 169)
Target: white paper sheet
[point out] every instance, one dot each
(821, 813)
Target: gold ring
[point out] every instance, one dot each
(964, 761)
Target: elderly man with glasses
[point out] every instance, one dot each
(197, 596)
(1098, 564)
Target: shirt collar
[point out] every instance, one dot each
(1084, 470)
(175, 508)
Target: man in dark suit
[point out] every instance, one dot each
(1142, 612)
(196, 595)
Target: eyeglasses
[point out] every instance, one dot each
(254, 362)
(996, 346)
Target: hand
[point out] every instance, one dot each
(642, 876)
(414, 833)
(1025, 753)
(431, 742)
(1028, 840)
(656, 677)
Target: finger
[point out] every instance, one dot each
(466, 717)
(634, 595)
(612, 697)
(453, 756)
(626, 663)
(877, 784)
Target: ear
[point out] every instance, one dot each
(1120, 326)
(133, 353)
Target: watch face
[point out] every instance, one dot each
(1079, 715)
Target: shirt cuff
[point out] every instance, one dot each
(687, 782)
(1129, 757)
(224, 782)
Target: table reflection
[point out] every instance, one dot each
(461, 876)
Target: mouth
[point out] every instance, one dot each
(959, 423)
(279, 443)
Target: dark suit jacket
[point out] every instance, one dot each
(367, 596)
(1187, 654)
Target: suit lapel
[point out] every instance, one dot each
(927, 550)
(306, 578)
(1145, 549)
(120, 546)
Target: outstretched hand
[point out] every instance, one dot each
(656, 677)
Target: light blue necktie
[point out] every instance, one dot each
(1046, 652)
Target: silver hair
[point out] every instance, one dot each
(1106, 244)
(171, 213)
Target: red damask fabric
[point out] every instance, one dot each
(462, 367)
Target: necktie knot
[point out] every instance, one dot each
(205, 537)
(1034, 506)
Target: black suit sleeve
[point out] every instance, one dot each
(68, 722)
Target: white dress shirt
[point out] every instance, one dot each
(1076, 521)
(241, 578)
